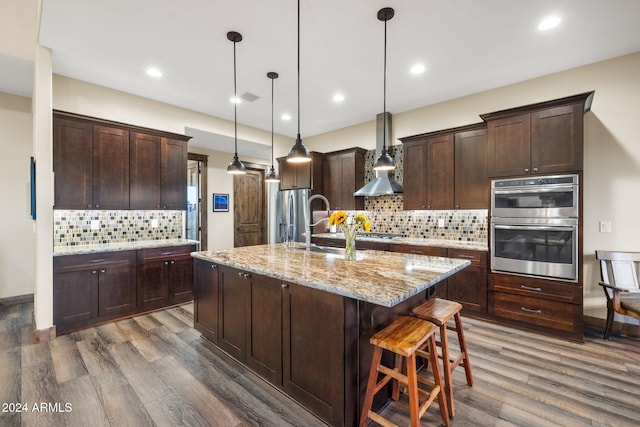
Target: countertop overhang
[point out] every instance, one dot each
(378, 277)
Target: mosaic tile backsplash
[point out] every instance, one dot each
(388, 216)
(73, 228)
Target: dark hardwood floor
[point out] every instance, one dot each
(155, 369)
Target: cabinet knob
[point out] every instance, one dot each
(166, 263)
(103, 271)
(246, 275)
(88, 206)
(285, 286)
(535, 170)
(173, 262)
(526, 170)
(457, 206)
(94, 271)
(213, 266)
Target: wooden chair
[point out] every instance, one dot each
(620, 272)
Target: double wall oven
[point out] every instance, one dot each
(534, 226)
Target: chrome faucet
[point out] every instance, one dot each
(307, 223)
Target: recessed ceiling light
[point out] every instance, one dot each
(286, 117)
(549, 23)
(338, 97)
(154, 72)
(418, 69)
(235, 100)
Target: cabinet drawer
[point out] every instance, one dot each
(376, 246)
(540, 312)
(169, 251)
(84, 261)
(536, 288)
(478, 258)
(419, 250)
(325, 241)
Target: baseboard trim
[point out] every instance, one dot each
(18, 299)
(618, 328)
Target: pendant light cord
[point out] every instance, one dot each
(235, 101)
(272, 79)
(384, 93)
(298, 69)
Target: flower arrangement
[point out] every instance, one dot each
(350, 226)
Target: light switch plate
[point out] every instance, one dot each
(605, 226)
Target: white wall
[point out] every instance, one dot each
(612, 149)
(17, 241)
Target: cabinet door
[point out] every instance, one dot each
(73, 164)
(173, 174)
(144, 166)
(509, 146)
(440, 172)
(75, 299)
(469, 288)
(116, 290)
(314, 374)
(181, 279)
(234, 287)
(110, 168)
(205, 299)
(415, 175)
(264, 333)
(344, 175)
(153, 284)
(294, 175)
(556, 139)
(472, 186)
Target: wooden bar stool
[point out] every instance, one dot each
(439, 311)
(406, 337)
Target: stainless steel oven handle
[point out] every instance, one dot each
(534, 189)
(532, 227)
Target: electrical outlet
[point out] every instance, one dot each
(95, 224)
(605, 226)
(441, 222)
(154, 223)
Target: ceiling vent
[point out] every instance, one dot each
(249, 97)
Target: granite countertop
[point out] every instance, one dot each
(383, 278)
(120, 246)
(440, 243)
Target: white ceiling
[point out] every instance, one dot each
(468, 46)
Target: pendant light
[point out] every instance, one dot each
(299, 153)
(272, 176)
(384, 161)
(236, 167)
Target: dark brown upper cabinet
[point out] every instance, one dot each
(294, 176)
(446, 169)
(537, 139)
(344, 175)
(100, 164)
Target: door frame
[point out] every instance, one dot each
(202, 202)
(265, 220)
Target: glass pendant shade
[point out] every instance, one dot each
(272, 176)
(236, 167)
(384, 162)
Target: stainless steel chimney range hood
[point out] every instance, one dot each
(384, 182)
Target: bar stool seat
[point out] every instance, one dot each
(406, 337)
(439, 312)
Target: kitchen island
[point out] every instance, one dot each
(302, 319)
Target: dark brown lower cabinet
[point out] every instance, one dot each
(311, 344)
(205, 299)
(549, 306)
(165, 276)
(93, 288)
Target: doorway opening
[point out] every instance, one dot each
(196, 223)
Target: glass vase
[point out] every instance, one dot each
(350, 245)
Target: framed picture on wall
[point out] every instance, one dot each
(220, 202)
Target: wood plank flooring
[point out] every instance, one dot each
(156, 370)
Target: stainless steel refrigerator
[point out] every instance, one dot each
(287, 213)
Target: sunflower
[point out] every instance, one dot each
(337, 218)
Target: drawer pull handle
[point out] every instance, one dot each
(529, 310)
(167, 253)
(467, 256)
(528, 288)
(413, 251)
(97, 260)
